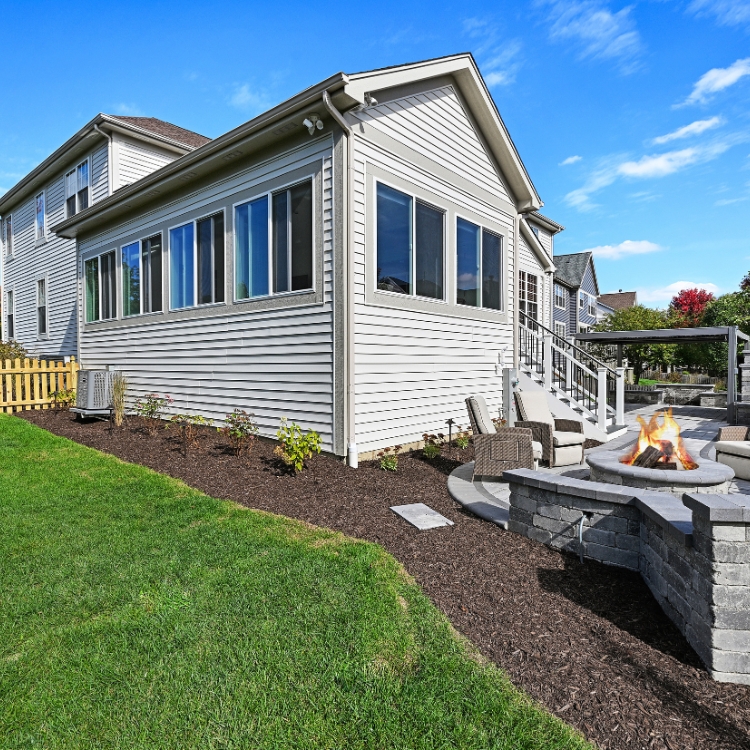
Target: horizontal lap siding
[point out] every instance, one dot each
(272, 363)
(530, 263)
(413, 370)
(100, 174)
(135, 161)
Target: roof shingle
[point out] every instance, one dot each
(569, 269)
(619, 300)
(165, 129)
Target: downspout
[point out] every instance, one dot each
(109, 157)
(514, 282)
(350, 421)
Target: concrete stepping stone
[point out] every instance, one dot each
(421, 516)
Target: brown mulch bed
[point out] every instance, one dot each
(589, 642)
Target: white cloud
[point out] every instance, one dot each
(246, 99)
(129, 110)
(686, 131)
(598, 32)
(731, 201)
(624, 249)
(664, 294)
(717, 79)
(727, 12)
(569, 160)
(499, 57)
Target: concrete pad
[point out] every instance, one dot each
(421, 516)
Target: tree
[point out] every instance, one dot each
(640, 318)
(731, 309)
(688, 307)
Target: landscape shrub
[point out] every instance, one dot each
(64, 398)
(189, 426)
(151, 407)
(295, 447)
(119, 389)
(720, 386)
(12, 350)
(433, 444)
(674, 377)
(389, 458)
(462, 438)
(240, 428)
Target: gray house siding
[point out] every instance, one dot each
(562, 315)
(589, 286)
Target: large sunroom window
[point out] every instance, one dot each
(142, 277)
(274, 243)
(410, 245)
(100, 279)
(479, 266)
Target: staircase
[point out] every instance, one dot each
(577, 381)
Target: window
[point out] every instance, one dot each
(560, 329)
(591, 306)
(196, 258)
(10, 315)
(581, 300)
(560, 296)
(40, 219)
(410, 242)
(273, 245)
(100, 282)
(479, 266)
(77, 189)
(535, 230)
(583, 328)
(8, 235)
(528, 300)
(41, 307)
(142, 277)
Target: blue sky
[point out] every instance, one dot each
(633, 120)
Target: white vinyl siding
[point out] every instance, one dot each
(100, 174)
(135, 160)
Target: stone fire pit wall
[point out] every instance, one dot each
(694, 553)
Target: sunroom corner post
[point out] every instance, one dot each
(601, 399)
(620, 396)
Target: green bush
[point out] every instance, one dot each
(64, 399)
(189, 427)
(296, 447)
(433, 444)
(240, 428)
(12, 350)
(462, 438)
(389, 458)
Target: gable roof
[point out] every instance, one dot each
(536, 246)
(342, 91)
(619, 300)
(552, 226)
(571, 268)
(165, 129)
(77, 146)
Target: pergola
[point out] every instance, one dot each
(729, 334)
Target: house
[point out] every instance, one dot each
(39, 268)
(620, 300)
(575, 294)
(355, 259)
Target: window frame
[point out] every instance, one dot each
(503, 265)
(563, 296)
(39, 333)
(591, 306)
(117, 286)
(558, 324)
(194, 221)
(40, 239)
(413, 259)
(233, 243)
(9, 311)
(8, 237)
(74, 170)
(120, 284)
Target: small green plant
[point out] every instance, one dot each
(295, 447)
(151, 407)
(119, 389)
(64, 398)
(462, 438)
(189, 427)
(433, 444)
(389, 458)
(12, 350)
(720, 386)
(240, 428)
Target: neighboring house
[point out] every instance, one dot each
(602, 311)
(349, 259)
(39, 267)
(608, 303)
(575, 294)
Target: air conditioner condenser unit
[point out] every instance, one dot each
(94, 393)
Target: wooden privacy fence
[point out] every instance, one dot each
(30, 383)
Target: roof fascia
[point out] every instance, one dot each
(117, 126)
(546, 222)
(536, 246)
(474, 91)
(180, 172)
(593, 271)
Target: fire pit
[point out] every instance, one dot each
(659, 461)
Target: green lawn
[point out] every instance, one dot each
(136, 612)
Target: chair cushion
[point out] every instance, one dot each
(534, 407)
(537, 450)
(481, 413)
(568, 438)
(734, 448)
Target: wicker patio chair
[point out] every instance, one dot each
(733, 450)
(562, 439)
(498, 451)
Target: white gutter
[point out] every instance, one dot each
(349, 419)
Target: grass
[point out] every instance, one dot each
(136, 612)
(647, 381)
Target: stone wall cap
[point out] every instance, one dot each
(719, 508)
(669, 513)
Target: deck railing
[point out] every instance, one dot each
(31, 383)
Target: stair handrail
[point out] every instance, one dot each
(574, 347)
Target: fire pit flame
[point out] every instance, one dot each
(663, 439)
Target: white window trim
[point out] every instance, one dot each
(118, 286)
(503, 271)
(271, 294)
(7, 311)
(40, 240)
(88, 160)
(45, 279)
(558, 325)
(412, 261)
(564, 295)
(140, 242)
(8, 252)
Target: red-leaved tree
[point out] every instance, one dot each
(689, 306)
